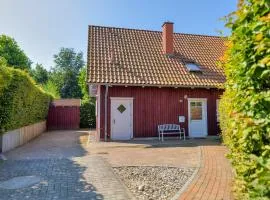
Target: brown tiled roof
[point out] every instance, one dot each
(135, 57)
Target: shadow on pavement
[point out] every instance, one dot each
(168, 143)
(61, 178)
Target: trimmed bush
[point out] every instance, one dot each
(87, 114)
(22, 102)
(245, 105)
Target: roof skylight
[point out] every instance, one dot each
(193, 67)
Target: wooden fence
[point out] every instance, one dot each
(14, 138)
(64, 114)
(66, 117)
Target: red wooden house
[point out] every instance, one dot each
(146, 78)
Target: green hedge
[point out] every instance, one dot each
(245, 105)
(22, 102)
(87, 114)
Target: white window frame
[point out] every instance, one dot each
(205, 113)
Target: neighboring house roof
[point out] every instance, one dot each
(120, 56)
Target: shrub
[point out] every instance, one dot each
(21, 101)
(245, 105)
(51, 88)
(87, 114)
(88, 107)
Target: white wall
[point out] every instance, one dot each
(14, 138)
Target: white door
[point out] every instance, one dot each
(197, 111)
(121, 118)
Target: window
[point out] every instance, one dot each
(193, 67)
(121, 108)
(196, 110)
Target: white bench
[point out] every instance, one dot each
(170, 129)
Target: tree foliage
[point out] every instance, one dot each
(13, 54)
(82, 83)
(40, 74)
(51, 89)
(88, 106)
(70, 88)
(57, 78)
(68, 60)
(245, 105)
(88, 113)
(66, 72)
(23, 102)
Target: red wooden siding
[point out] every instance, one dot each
(63, 117)
(153, 106)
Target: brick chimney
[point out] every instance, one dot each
(167, 38)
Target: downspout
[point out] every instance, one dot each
(1, 142)
(106, 113)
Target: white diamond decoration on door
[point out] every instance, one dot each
(121, 108)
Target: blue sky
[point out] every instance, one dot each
(42, 27)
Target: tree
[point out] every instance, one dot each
(40, 74)
(66, 71)
(51, 89)
(68, 60)
(82, 83)
(70, 89)
(57, 78)
(13, 54)
(245, 105)
(88, 106)
(3, 61)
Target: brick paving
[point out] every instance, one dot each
(60, 180)
(214, 178)
(66, 171)
(101, 175)
(64, 179)
(172, 153)
(70, 169)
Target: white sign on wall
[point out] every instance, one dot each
(92, 90)
(181, 119)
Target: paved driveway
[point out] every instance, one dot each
(213, 180)
(170, 153)
(71, 169)
(65, 168)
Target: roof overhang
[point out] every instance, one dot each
(161, 86)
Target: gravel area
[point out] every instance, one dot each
(154, 183)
